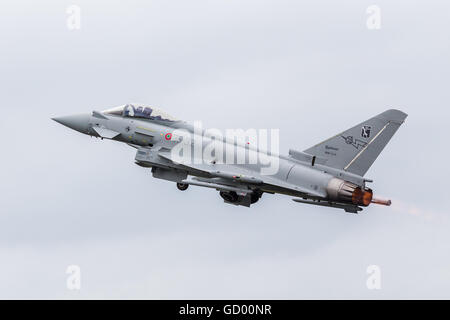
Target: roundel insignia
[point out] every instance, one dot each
(168, 136)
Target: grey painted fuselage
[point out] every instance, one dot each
(328, 174)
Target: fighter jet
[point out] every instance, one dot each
(330, 173)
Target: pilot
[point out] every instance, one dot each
(128, 111)
(147, 112)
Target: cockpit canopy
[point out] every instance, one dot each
(140, 111)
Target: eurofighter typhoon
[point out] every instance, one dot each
(330, 174)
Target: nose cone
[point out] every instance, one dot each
(78, 122)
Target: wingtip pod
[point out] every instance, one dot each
(351, 208)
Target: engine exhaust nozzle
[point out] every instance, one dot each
(347, 192)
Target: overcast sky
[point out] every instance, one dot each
(308, 68)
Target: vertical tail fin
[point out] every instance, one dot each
(355, 149)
